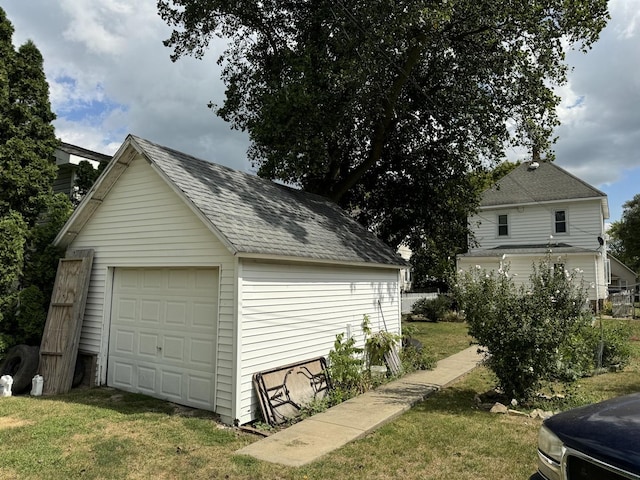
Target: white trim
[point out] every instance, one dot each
(237, 344)
(106, 324)
(541, 202)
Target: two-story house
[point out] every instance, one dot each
(68, 157)
(536, 209)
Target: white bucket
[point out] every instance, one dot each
(36, 385)
(5, 385)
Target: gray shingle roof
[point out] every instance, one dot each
(547, 182)
(83, 152)
(257, 216)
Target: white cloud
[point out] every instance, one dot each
(110, 75)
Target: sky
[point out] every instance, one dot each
(110, 75)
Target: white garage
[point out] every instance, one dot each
(162, 338)
(203, 276)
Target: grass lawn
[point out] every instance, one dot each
(103, 433)
(441, 338)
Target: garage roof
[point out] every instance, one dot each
(251, 216)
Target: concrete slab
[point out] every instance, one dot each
(302, 443)
(314, 437)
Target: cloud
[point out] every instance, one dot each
(600, 131)
(110, 75)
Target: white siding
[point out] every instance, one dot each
(520, 268)
(534, 224)
(143, 223)
(292, 312)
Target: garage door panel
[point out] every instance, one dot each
(151, 311)
(148, 345)
(122, 374)
(202, 313)
(173, 348)
(147, 379)
(127, 309)
(200, 390)
(163, 333)
(171, 384)
(177, 313)
(124, 341)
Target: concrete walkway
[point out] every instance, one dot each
(312, 438)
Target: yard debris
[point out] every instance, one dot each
(499, 408)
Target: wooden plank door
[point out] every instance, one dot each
(59, 347)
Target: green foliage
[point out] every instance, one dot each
(413, 359)
(433, 309)
(31, 315)
(625, 240)
(85, 177)
(377, 345)
(523, 329)
(385, 107)
(345, 369)
(27, 172)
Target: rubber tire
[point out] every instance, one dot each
(412, 342)
(78, 372)
(21, 363)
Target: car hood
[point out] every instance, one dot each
(608, 431)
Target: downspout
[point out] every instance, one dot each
(596, 284)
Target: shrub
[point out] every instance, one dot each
(523, 329)
(345, 368)
(433, 309)
(414, 359)
(377, 345)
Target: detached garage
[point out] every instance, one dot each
(203, 276)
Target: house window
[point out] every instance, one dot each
(503, 225)
(561, 221)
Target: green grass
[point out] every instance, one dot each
(103, 433)
(441, 338)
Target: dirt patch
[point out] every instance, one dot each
(11, 422)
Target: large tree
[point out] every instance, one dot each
(384, 106)
(625, 235)
(27, 171)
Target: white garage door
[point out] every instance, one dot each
(163, 334)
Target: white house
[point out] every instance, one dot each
(204, 275)
(539, 208)
(67, 158)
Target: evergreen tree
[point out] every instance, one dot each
(27, 172)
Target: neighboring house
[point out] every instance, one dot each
(204, 275)
(68, 157)
(539, 208)
(622, 277)
(405, 273)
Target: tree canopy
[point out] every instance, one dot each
(385, 106)
(27, 172)
(625, 235)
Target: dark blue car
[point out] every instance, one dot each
(595, 442)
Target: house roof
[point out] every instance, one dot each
(83, 152)
(547, 182)
(620, 264)
(251, 216)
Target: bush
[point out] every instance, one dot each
(433, 309)
(524, 330)
(414, 359)
(345, 368)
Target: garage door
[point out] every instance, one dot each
(163, 334)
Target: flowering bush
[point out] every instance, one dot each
(524, 330)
